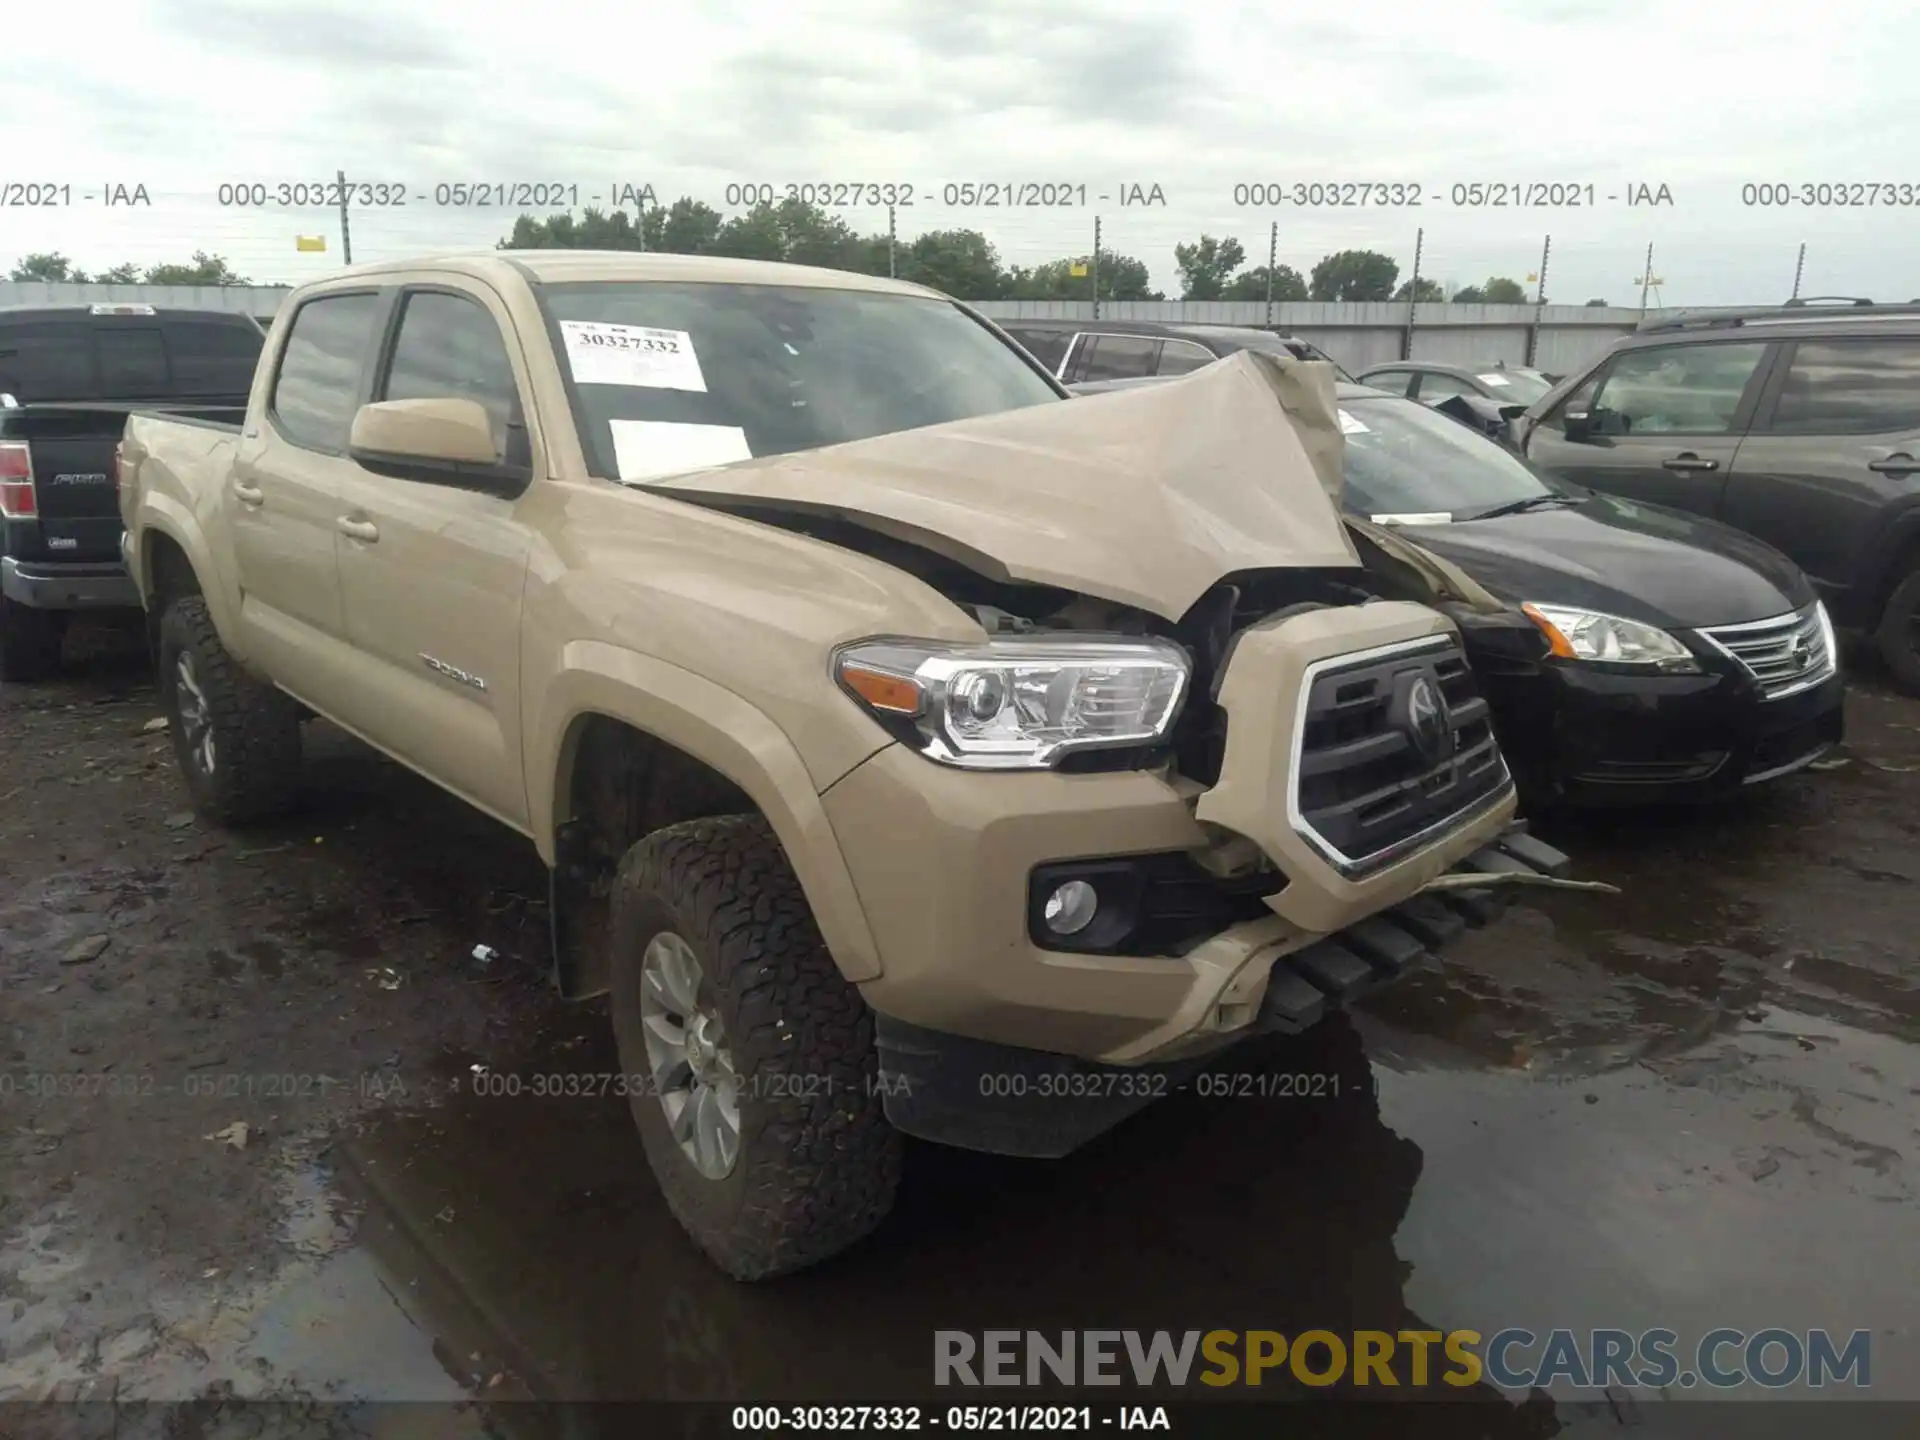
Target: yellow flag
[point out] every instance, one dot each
(309, 244)
(1077, 268)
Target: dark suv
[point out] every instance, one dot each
(1799, 424)
(1079, 351)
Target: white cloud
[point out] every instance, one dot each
(183, 95)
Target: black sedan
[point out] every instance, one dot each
(1670, 658)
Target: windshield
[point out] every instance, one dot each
(1523, 387)
(672, 376)
(1404, 459)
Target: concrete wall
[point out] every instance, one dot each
(1357, 335)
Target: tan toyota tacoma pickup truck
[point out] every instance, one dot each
(912, 752)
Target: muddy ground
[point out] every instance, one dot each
(1691, 1105)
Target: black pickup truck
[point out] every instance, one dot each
(68, 377)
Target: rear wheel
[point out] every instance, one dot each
(29, 640)
(751, 1061)
(237, 739)
(1899, 634)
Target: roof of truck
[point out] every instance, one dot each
(558, 267)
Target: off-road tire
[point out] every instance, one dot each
(256, 728)
(1897, 638)
(29, 640)
(818, 1163)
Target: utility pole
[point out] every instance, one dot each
(892, 236)
(1646, 281)
(1799, 268)
(1539, 302)
(1413, 293)
(1273, 258)
(1096, 267)
(346, 239)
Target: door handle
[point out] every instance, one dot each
(1897, 464)
(364, 530)
(1687, 460)
(248, 494)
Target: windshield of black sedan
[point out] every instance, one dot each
(673, 376)
(1404, 459)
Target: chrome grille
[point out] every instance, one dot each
(1786, 654)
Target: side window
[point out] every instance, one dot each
(1177, 357)
(1049, 347)
(132, 361)
(450, 348)
(209, 357)
(1435, 386)
(1120, 357)
(1394, 382)
(47, 360)
(1676, 389)
(1850, 387)
(318, 387)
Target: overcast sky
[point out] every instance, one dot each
(183, 95)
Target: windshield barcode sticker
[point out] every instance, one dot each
(1493, 379)
(1351, 426)
(602, 354)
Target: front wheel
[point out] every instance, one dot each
(1899, 634)
(751, 1066)
(236, 738)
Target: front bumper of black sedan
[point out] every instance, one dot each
(1592, 736)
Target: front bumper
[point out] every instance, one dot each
(1010, 1100)
(1600, 738)
(50, 585)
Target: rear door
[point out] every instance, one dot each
(1119, 357)
(1833, 456)
(431, 576)
(285, 491)
(1667, 422)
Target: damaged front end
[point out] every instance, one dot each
(1334, 758)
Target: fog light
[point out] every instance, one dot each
(1070, 908)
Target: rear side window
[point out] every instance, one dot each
(47, 360)
(1436, 386)
(1850, 387)
(1120, 357)
(450, 348)
(133, 362)
(1675, 389)
(209, 357)
(318, 387)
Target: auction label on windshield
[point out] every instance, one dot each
(602, 354)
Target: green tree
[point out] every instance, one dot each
(686, 227)
(963, 263)
(1121, 278)
(128, 274)
(1430, 291)
(1354, 275)
(203, 269)
(1496, 291)
(755, 235)
(1597, 304)
(593, 230)
(47, 265)
(1205, 265)
(1288, 284)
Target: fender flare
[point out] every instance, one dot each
(720, 729)
(162, 515)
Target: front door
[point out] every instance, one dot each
(1661, 424)
(432, 575)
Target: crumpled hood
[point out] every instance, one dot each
(1148, 497)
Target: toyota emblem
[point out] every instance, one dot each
(1427, 723)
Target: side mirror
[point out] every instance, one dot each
(438, 441)
(1579, 424)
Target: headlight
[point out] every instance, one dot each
(1018, 704)
(1826, 634)
(1589, 635)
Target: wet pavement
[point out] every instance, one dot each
(1695, 1104)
